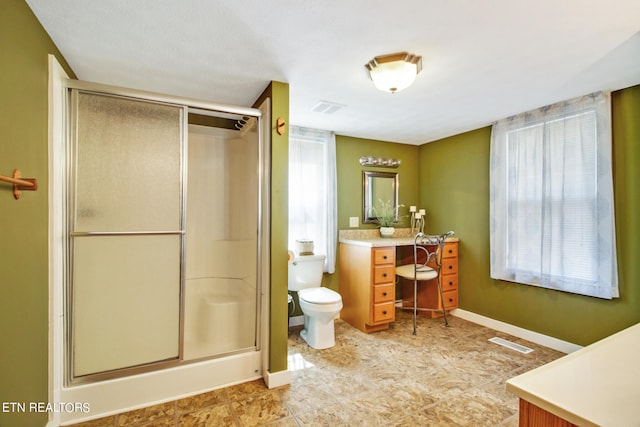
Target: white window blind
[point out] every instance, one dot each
(552, 218)
(312, 191)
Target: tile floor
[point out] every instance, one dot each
(441, 377)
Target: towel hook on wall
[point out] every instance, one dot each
(19, 183)
(280, 124)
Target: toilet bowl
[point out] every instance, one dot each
(319, 305)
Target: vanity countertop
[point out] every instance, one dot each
(598, 385)
(371, 238)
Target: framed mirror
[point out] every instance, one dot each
(378, 186)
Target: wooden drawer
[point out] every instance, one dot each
(449, 282)
(449, 265)
(384, 256)
(384, 274)
(450, 299)
(384, 293)
(384, 312)
(450, 250)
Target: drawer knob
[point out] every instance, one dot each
(384, 275)
(450, 283)
(384, 257)
(384, 311)
(451, 267)
(384, 294)
(450, 299)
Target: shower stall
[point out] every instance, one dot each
(165, 253)
(220, 275)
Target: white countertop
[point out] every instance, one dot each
(371, 238)
(598, 385)
(380, 241)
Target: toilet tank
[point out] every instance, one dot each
(306, 272)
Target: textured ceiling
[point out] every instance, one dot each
(482, 60)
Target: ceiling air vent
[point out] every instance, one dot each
(327, 107)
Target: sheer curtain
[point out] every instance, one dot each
(312, 191)
(552, 219)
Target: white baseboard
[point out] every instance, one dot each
(296, 321)
(516, 331)
(277, 379)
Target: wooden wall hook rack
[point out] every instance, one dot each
(19, 183)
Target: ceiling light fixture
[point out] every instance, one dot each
(394, 72)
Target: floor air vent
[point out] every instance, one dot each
(511, 345)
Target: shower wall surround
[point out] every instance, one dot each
(222, 216)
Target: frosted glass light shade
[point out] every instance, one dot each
(394, 72)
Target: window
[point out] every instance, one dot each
(552, 219)
(312, 191)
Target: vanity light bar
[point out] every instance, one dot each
(379, 161)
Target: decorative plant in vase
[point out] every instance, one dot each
(386, 216)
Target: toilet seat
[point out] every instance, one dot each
(319, 295)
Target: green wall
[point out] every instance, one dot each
(348, 153)
(455, 188)
(279, 227)
(24, 46)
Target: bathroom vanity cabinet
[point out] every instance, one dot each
(368, 278)
(367, 286)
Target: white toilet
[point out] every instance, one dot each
(319, 305)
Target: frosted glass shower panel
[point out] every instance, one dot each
(128, 157)
(127, 232)
(126, 301)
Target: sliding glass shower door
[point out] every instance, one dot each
(126, 232)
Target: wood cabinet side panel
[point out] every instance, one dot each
(355, 284)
